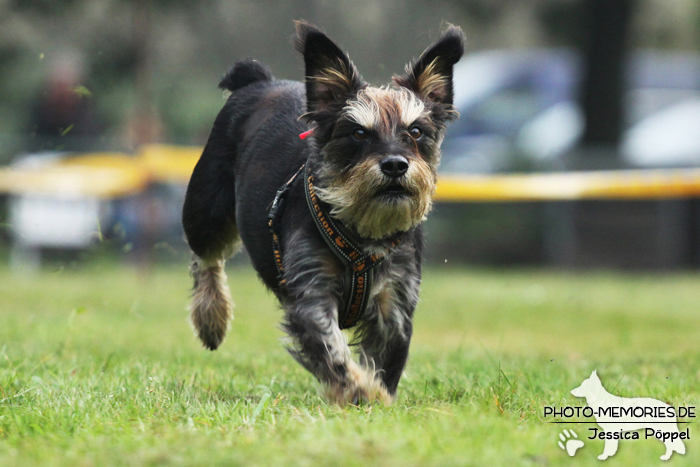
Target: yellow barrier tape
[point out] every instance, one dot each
(618, 184)
(116, 174)
(170, 164)
(65, 181)
(104, 175)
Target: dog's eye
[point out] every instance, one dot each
(415, 132)
(360, 134)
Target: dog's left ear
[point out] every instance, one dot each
(431, 75)
(331, 78)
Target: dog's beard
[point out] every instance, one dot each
(359, 198)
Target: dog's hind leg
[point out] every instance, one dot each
(208, 218)
(209, 212)
(213, 237)
(211, 307)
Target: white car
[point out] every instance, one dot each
(519, 111)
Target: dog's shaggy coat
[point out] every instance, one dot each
(373, 155)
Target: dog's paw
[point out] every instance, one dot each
(569, 443)
(344, 394)
(360, 387)
(357, 395)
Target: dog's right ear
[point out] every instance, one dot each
(431, 75)
(331, 78)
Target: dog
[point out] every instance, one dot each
(325, 183)
(598, 398)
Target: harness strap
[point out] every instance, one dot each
(359, 265)
(274, 222)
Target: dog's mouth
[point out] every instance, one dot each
(394, 190)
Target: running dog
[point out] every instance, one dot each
(325, 183)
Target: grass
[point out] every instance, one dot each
(98, 367)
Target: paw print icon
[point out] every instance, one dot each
(569, 442)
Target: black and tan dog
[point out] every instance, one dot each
(332, 221)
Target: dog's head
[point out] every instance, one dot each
(379, 147)
(590, 388)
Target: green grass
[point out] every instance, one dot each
(99, 367)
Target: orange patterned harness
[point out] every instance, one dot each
(359, 266)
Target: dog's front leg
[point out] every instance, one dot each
(311, 320)
(385, 351)
(385, 336)
(322, 349)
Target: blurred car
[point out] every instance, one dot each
(519, 111)
(67, 201)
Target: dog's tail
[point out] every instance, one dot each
(243, 73)
(211, 302)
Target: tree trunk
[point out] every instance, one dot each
(604, 57)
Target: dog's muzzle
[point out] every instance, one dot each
(394, 166)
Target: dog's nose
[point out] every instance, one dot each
(394, 166)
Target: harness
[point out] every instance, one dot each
(274, 222)
(359, 266)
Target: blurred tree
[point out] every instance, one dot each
(604, 51)
(561, 22)
(41, 7)
(191, 43)
(600, 30)
(144, 125)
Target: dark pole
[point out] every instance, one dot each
(604, 57)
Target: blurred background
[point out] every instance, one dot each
(105, 105)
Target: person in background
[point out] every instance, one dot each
(62, 116)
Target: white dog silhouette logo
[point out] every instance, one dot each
(608, 408)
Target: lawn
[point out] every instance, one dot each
(99, 367)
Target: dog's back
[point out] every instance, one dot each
(250, 133)
(259, 117)
(210, 207)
